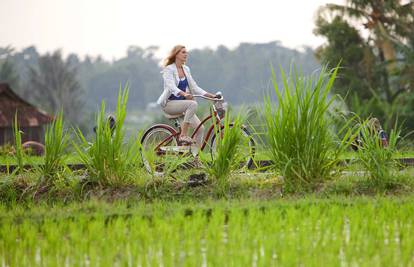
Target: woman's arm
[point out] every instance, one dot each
(210, 95)
(169, 82)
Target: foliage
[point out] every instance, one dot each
(19, 153)
(7, 150)
(306, 232)
(228, 70)
(376, 159)
(378, 63)
(108, 159)
(229, 138)
(55, 86)
(301, 140)
(56, 142)
(345, 45)
(9, 74)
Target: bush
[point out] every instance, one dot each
(226, 154)
(56, 141)
(302, 141)
(108, 159)
(376, 159)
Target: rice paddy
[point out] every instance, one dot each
(307, 232)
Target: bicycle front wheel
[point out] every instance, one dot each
(246, 149)
(155, 143)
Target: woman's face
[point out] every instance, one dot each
(182, 55)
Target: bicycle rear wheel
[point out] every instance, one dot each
(155, 143)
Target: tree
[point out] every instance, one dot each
(345, 45)
(8, 71)
(9, 74)
(388, 24)
(374, 40)
(54, 86)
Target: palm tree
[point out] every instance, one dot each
(388, 24)
(54, 85)
(9, 74)
(8, 71)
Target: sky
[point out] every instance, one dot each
(108, 27)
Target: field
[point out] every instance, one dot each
(287, 232)
(128, 203)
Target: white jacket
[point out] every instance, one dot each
(171, 80)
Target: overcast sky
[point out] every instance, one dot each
(108, 27)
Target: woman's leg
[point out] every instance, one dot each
(186, 107)
(195, 121)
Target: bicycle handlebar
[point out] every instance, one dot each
(210, 98)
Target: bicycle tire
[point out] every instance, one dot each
(147, 145)
(251, 143)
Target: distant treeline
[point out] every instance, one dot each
(243, 74)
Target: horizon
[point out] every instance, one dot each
(157, 54)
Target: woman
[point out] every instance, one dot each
(177, 98)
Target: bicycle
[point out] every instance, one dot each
(162, 139)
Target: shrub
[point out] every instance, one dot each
(108, 159)
(376, 159)
(56, 141)
(301, 137)
(226, 158)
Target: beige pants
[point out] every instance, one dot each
(188, 108)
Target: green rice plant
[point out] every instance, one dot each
(290, 232)
(167, 164)
(301, 140)
(56, 141)
(378, 161)
(174, 162)
(109, 160)
(225, 158)
(19, 153)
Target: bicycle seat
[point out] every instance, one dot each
(171, 117)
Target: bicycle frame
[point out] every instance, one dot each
(216, 123)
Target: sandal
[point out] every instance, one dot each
(186, 140)
(196, 163)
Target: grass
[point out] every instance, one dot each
(225, 158)
(56, 142)
(376, 159)
(302, 142)
(304, 232)
(71, 188)
(19, 153)
(109, 160)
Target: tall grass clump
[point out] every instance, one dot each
(56, 142)
(301, 138)
(377, 159)
(19, 153)
(229, 140)
(109, 160)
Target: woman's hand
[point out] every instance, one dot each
(187, 96)
(217, 95)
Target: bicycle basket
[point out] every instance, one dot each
(221, 112)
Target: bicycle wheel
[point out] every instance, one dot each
(246, 150)
(155, 143)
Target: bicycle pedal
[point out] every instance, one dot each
(194, 150)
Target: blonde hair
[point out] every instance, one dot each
(171, 57)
